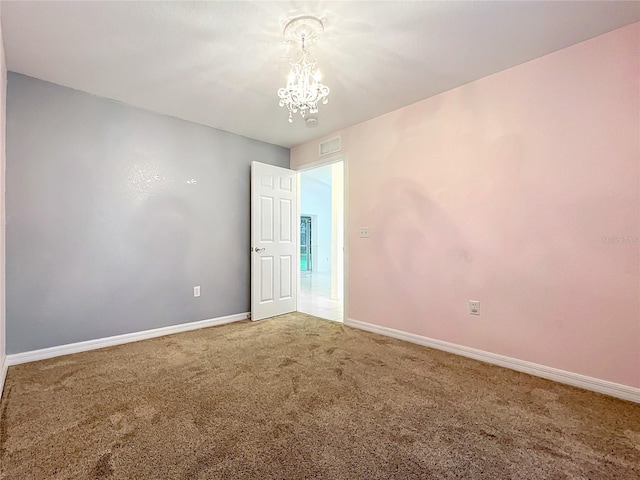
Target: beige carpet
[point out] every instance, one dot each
(296, 397)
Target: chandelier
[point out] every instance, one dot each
(303, 90)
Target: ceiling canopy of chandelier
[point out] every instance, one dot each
(303, 90)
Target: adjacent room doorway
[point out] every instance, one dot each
(321, 207)
(306, 259)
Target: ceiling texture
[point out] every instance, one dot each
(221, 63)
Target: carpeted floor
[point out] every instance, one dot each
(296, 397)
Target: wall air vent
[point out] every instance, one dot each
(330, 146)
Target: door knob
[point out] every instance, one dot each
(257, 249)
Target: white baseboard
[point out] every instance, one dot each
(624, 392)
(70, 348)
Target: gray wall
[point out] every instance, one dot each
(115, 213)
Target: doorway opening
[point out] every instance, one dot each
(321, 200)
(306, 260)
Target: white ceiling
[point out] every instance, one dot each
(221, 63)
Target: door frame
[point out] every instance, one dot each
(341, 157)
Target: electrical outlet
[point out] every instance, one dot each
(474, 307)
(364, 232)
(196, 291)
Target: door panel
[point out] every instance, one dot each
(266, 219)
(266, 279)
(273, 241)
(286, 282)
(286, 225)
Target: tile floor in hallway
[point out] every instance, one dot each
(315, 296)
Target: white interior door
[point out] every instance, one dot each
(274, 241)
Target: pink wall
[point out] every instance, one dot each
(520, 190)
